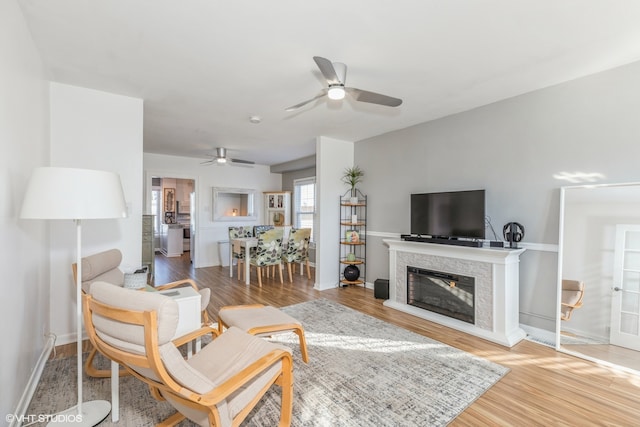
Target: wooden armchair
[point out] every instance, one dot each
(218, 386)
(572, 295)
(103, 267)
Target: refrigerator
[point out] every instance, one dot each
(192, 227)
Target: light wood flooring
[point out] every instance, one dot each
(608, 353)
(543, 388)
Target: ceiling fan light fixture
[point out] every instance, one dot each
(221, 160)
(336, 92)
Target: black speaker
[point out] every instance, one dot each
(381, 288)
(513, 232)
(351, 273)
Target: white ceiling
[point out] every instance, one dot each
(203, 67)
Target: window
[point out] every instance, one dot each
(304, 203)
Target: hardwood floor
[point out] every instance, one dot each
(544, 387)
(607, 352)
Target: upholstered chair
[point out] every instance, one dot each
(237, 251)
(268, 252)
(572, 295)
(257, 229)
(297, 250)
(217, 386)
(104, 267)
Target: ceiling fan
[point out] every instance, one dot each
(220, 158)
(336, 74)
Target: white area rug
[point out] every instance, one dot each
(362, 372)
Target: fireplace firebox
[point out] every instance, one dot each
(451, 295)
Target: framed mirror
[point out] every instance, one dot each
(234, 204)
(599, 273)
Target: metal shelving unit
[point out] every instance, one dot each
(353, 248)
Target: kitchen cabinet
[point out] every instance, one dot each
(148, 250)
(171, 240)
(277, 208)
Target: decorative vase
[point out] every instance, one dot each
(353, 200)
(278, 218)
(351, 273)
(351, 257)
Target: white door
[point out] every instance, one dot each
(625, 302)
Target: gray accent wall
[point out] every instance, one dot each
(514, 149)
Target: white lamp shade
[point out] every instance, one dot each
(68, 193)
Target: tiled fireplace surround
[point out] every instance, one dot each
(496, 273)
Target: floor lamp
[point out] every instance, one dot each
(88, 194)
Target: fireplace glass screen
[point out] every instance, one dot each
(451, 295)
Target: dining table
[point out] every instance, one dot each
(238, 244)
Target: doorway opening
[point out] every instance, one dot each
(173, 206)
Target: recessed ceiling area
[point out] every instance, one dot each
(204, 68)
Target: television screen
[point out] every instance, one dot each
(450, 214)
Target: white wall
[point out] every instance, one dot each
(24, 255)
(513, 149)
(333, 156)
(94, 130)
(209, 232)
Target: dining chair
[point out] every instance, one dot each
(297, 250)
(237, 252)
(257, 229)
(268, 252)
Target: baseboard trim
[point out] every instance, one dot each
(21, 409)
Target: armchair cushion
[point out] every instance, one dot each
(205, 297)
(102, 267)
(226, 356)
(131, 337)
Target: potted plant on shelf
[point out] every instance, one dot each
(352, 176)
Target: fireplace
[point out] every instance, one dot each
(451, 295)
(496, 291)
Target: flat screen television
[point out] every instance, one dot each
(454, 214)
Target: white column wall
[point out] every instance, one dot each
(93, 130)
(332, 157)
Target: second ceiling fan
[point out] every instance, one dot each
(220, 158)
(336, 73)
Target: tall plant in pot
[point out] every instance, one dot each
(352, 176)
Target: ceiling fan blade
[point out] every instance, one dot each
(373, 98)
(322, 93)
(327, 70)
(208, 162)
(245, 162)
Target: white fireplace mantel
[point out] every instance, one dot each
(496, 273)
